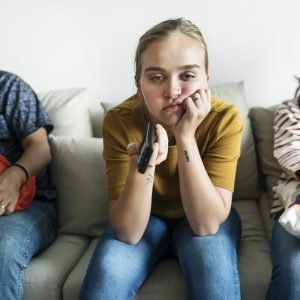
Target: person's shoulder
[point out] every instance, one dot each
(125, 109)
(286, 106)
(10, 82)
(9, 78)
(222, 107)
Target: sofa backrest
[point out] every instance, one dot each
(262, 120)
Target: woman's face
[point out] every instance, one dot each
(172, 69)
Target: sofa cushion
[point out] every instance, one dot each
(254, 252)
(47, 272)
(246, 184)
(77, 170)
(69, 111)
(262, 122)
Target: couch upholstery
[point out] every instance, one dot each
(77, 170)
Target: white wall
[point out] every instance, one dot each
(90, 43)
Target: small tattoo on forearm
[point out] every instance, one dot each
(149, 179)
(186, 155)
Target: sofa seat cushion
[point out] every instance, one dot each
(265, 202)
(254, 251)
(47, 272)
(167, 282)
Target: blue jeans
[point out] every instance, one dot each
(22, 235)
(285, 281)
(209, 263)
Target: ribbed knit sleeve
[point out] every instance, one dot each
(287, 136)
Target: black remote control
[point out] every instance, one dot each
(146, 148)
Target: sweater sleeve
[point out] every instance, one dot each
(221, 157)
(287, 137)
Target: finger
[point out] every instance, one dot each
(196, 95)
(10, 208)
(152, 161)
(2, 210)
(162, 139)
(203, 95)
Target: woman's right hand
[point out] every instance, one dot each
(160, 147)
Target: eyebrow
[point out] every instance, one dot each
(180, 68)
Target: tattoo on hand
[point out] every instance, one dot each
(149, 179)
(186, 155)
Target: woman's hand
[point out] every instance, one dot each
(160, 147)
(197, 107)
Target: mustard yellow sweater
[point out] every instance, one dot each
(218, 138)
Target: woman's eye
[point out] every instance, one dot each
(187, 76)
(156, 78)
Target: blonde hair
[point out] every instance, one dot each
(163, 30)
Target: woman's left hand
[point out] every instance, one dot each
(197, 107)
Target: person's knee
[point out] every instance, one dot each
(11, 252)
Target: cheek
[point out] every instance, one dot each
(191, 87)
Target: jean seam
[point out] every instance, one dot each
(43, 217)
(152, 268)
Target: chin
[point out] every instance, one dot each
(170, 121)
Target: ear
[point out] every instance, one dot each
(139, 90)
(208, 77)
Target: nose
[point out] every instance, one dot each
(172, 89)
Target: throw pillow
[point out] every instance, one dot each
(262, 120)
(69, 111)
(77, 170)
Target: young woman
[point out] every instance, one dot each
(182, 202)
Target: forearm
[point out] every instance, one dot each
(203, 205)
(35, 157)
(129, 214)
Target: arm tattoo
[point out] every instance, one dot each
(186, 155)
(149, 179)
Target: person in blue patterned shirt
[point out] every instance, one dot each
(24, 129)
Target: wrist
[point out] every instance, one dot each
(22, 168)
(134, 166)
(184, 138)
(16, 175)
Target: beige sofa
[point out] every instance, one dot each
(77, 170)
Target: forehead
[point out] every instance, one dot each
(174, 51)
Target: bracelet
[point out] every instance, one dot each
(22, 168)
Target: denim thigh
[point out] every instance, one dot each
(210, 263)
(23, 235)
(286, 265)
(117, 269)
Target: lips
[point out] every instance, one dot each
(172, 107)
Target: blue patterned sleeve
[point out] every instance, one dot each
(24, 112)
